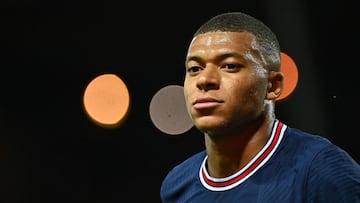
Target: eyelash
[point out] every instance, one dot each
(230, 67)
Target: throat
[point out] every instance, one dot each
(227, 156)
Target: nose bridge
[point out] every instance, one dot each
(210, 71)
(209, 77)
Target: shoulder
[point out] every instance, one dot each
(182, 175)
(186, 169)
(334, 172)
(188, 165)
(329, 169)
(306, 137)
(315, 147)
(306, 144)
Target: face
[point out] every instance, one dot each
(225, 85)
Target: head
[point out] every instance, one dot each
(232, 73)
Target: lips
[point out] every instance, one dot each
(205, 103)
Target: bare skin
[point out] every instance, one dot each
(229, 95)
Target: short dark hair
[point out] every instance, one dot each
(241, 22)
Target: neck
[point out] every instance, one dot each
(227, 154)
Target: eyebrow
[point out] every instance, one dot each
(231, 54)
(221, 56)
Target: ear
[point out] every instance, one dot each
(275, 85)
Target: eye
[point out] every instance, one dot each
(193, 69)
(232, 67)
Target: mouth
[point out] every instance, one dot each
(205, 103)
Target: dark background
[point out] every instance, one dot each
(50, 50)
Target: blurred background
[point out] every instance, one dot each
(50, 151)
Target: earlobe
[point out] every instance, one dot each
(273, 95)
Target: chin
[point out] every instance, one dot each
(209, 126)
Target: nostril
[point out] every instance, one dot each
(208, 83)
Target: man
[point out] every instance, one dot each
(232, 81)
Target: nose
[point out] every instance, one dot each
(209, 79)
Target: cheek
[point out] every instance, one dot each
(187, 93)
(247, 90)
(186, 97)
(237, 88)
(261, 89)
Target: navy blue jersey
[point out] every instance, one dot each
(293, 166)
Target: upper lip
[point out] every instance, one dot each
(206, 99)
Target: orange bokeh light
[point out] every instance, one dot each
(107, 100)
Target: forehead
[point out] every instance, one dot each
(239, 41)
